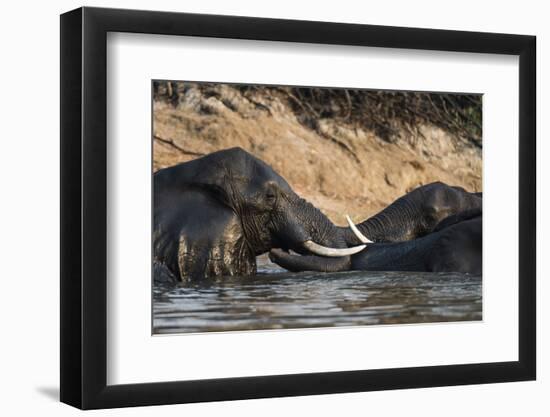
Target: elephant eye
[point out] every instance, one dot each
(270, 196)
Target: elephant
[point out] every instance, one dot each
(414, 215)
(435, 227)
(455, 246)
(213, 215)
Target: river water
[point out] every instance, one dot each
(275, 299)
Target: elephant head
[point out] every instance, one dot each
(215, 214)
(413, 215)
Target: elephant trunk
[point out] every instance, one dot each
(304, 229)
(397, 222)
(298, 263)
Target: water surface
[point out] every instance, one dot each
(275, 299)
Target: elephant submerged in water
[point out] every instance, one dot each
(215, 214)
(434, 228)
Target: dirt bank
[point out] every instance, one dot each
(340, 169)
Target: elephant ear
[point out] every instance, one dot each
(221, 173)
(457, 218)
(195, 234)
(209, 238)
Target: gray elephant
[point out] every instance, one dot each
(454, 246)
(433, 228)
(215, 214)
(415, 214)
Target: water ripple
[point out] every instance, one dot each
(277, 300)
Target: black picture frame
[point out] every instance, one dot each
(84, 207)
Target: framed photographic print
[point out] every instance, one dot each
(258, 208)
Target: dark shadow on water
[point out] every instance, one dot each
(50, 392)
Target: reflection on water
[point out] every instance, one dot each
(275, 299)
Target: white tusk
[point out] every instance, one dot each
(331, 252)
(356, 231)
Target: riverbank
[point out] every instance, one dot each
(339, 168)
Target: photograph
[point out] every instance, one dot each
(244, 209)
(286, 207)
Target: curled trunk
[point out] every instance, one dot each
(298, 263)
